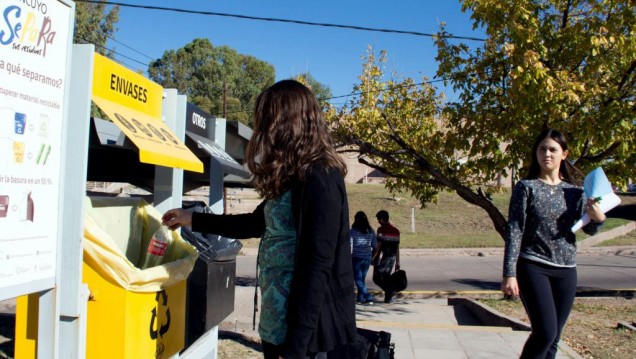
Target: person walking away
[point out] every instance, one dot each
(540, 250)
(363, 246)
(388, 255)
(304, 256)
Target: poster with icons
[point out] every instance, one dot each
(34, 52)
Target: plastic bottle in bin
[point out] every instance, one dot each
(159, 242)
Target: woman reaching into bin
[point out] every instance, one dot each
(306, 279)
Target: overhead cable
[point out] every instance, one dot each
(299, 22)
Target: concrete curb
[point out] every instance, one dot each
(496, 294)
(603, 236)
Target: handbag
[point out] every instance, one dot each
(369, 344)
(398, 280)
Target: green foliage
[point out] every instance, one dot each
(568, 65)
(321, 91)
(204, 73)
(94, 24)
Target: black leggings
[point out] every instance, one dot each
(547, 293)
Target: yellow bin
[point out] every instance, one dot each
(124, 324)
(132, 313)
(121, 324)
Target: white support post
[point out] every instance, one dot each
(216, 170)
(72, 299)
(47, 324)
(168, 191)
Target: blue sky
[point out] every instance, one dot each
(331, 55)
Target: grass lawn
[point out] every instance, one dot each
(449, 223)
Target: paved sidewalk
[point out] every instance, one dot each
(420, 328)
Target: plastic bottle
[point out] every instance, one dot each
(159, 242)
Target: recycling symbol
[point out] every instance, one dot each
(163, 328)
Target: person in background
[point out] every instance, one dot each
(363, 248)
(539, 259)
(304, 256)
(388, 255)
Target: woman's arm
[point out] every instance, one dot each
(239, 226)
(597, 216)
(514, 234)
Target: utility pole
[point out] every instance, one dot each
(224, 98)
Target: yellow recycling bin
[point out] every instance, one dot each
(132, 313)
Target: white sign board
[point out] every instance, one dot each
(34, 44)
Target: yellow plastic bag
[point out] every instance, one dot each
(116, 234)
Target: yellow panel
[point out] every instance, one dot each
(156, 142)
(124, 324)
(120, 324)
(118, 84)
(26, 326)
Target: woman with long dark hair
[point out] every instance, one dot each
(305, 277)
(363, 248)
(540, 252)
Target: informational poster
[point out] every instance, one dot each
(34, 43)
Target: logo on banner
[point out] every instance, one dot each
(27, 27)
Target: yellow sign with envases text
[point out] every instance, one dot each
(133, 103)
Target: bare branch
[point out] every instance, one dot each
(601, 155)
(566, 13)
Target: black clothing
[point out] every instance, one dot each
(321, 311)
(547, 293)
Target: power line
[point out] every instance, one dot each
(366, 92)
(128, 47)
(299, 22)
(115, 52)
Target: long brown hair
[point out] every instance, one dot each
(290, 134)
(567, 171)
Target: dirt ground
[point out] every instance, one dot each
(235, 348)
(592, 328)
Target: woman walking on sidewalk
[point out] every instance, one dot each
(363, 248)
(539, 258)
(306, 280)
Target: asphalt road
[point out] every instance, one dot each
(462, 273)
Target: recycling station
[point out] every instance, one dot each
(72, 261)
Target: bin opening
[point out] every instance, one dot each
(211, 247)
(117, 233)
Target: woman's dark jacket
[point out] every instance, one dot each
(321, 306)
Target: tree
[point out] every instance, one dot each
(321, 90)
(211, 75)
(564, 64)
(94, 24)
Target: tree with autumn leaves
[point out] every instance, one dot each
(569, 65)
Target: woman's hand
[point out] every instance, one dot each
(176, 217)
(593, 210)
(510, 287)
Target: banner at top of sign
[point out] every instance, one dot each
(116, 83)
